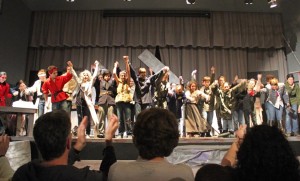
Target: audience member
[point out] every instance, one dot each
(52, 134)
(155, 136)
(263, 153)
(214, 172)
(6, 172)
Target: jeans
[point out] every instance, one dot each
(291, 123)
(208, 116)
(124, 114)
(274, 113)
(228, 124)
(41, 107)
(238, 118)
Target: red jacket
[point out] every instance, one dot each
(4, 93)
(56, 87)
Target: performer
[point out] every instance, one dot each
(23, 95)
(194, 122)
(69, 88)
(227, 102)
(208, 105)
(37, 87)
(55, 84)
(293, 90)
(144, 89)
(277, 97)
(4, 89)
(4, 96)
(85, 106)
(161, 89)
(123, 98)
(106, 102)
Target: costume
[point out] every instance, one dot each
(34, 170)
(69, 88)
(106, 101)
(58, 96)
(149, 170)
(37, 87)
(194, 122)
(291, 123)
(85, 106)
(4, 93)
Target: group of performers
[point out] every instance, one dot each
(127, 92)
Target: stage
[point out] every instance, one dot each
(125, 149)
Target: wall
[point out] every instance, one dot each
(291, 22)
(14, 33)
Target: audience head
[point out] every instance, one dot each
(52, 134)
(214, 172)
(265, 154)
(155, 133)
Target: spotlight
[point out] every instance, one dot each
(70, 1)
(248, 2)
(190, 1)
(273, 3)
(127, 0)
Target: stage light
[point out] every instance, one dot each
(190, 1)
(273, 3)
(248, 2)
(70, 1)
(127, 0)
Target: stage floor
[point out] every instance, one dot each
(125, 149)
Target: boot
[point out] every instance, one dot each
(279, 125)
(270, 122)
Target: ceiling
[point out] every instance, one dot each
(207, 5)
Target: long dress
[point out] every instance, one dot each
(194, 122)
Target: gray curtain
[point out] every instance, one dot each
(235, 43)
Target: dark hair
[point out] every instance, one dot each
(289, 75)
(106, 72)
(265, 154)
(214, 172)
(155, 133)
(50, 133)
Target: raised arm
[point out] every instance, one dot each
(127, 68)
(115, 76)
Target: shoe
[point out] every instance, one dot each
(119, 136)
(100, 135)
(207, 134)
(87, 136)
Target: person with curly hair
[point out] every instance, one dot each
(155, 136)
(263, 153)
